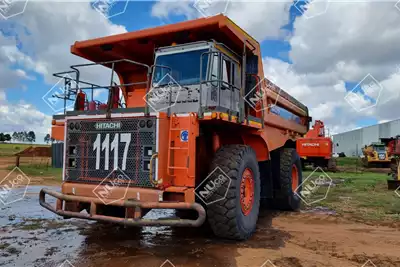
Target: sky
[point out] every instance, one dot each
(340, 58)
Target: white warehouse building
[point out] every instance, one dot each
(351, 142)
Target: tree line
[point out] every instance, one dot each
(18, 137)
(48, 139)
(29, 136)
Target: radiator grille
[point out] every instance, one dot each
(91, 144)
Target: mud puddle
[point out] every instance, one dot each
(33, 236)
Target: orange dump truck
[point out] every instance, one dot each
(196, 129)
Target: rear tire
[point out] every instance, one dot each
(285, 197)
(235, 217)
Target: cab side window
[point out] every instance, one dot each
(226, 72)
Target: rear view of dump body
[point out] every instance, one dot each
(208, 144)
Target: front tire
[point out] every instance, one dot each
(235, 217)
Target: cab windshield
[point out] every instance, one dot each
(380, 148)
(183, 67)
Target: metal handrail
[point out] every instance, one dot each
(92, 86)
(149, 85)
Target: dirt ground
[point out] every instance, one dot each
(6, 162)
(33, 236)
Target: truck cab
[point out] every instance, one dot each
(200, 76)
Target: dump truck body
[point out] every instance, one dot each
(158, 147)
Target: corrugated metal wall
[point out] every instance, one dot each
(351, 142)
(57, 155)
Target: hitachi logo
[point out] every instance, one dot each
(108, 125)
(310, 144)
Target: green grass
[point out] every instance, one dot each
(33, 170)
(349, 161)
(361, 196)
(11, 149)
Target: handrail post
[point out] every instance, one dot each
(146, 108)
(241, 98)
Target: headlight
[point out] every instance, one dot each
(149, 123)
(71, 126)
(142, 124)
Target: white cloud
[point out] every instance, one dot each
(345, 44)
(342, 45)
(260, 19)
(22, 117)
(38, 42)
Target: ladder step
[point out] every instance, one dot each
(179, 148)
(177, 168)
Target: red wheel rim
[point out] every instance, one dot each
(247, 191)
(295, 178)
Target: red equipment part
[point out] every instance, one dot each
(315, 148)
(102, 106)
(115, 99)
(318, 130)
(92, 105)
(80, 101)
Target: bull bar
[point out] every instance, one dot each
(127, 204)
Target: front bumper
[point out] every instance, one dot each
(136, 205)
